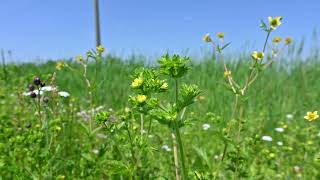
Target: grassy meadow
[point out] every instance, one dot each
(102, 117)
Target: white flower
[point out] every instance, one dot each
(280, 143)
(63, 94)
(289, 116)
(95, 151)
(267, 138)
(26, 93)
(37, 92)
(165, 148)
(205, 126)
(279, 129)
(48, 88)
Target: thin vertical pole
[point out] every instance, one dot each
(4, 65)
(97, 22)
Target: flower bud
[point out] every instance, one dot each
(42, 84)
(33, 95)
(31, 87)
(37, 81)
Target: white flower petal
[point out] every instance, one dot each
(289, 116)
(279, 129)
(205, 126)
(280, 143)
(266, 138)
(63, 94)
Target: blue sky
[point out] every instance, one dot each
(64, 28)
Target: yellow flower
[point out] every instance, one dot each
(274, 22)
(277, 39)
(201, 98)
(100, 49)
(257, 55)
(311, 116)
(59, 65)
(164, 86)
(220, 35)
(141, 98)
(207, 38)
(79, 58)
(288, 40)
(137, 82)
(226, 74)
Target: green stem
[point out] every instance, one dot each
(178, 136)
(265, 43)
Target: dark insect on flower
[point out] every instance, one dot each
(33, 95)
(28, 125)
(46, 99)
(42, 84)
(31, 87)
(37, 81)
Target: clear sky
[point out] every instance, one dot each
(65, 28)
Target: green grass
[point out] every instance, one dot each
(286, 88)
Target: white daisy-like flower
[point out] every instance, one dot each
(279, 129)
(267, 138)
(280, 143)
(289, 116)
(205, 126)
(166, 148)
(63, 94)
(48, 88)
